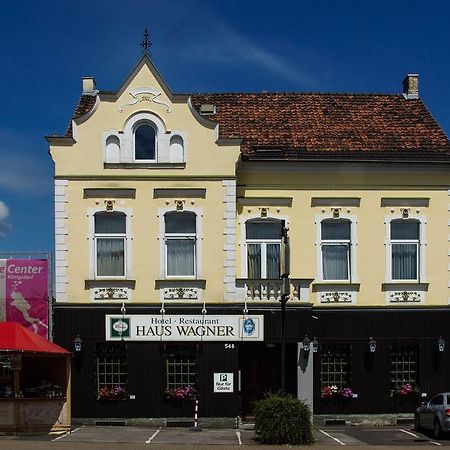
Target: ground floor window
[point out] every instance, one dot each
(335, 370)
(112, 372)
(181, 371)
(404, 363)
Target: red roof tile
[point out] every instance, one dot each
(328, 125)
(85, 104)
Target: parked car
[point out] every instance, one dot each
(434, 415)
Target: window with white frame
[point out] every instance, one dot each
(111, 367)
(145, 142)
(180, 237)
(110, 237)
(336, 249)
(405, 249)
(335, 367)
(263, 240)
(181, 367)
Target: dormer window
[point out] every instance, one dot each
(145, 142)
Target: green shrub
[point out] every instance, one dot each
(283, 419)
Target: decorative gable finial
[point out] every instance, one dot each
(146, 42)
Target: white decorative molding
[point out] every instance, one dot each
(405, 297)
(61, 248)
(336, 297)
(181, 293)
(145, 94)
(229, 231)
(328, 214)
(199, 240)
(111, 293)
(397, 214)
(91, 240)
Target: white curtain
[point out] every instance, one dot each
(254, 261)
(404, 261)
(180, 257)
(110, 257)
(335, 262)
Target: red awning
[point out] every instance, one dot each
(16, 338)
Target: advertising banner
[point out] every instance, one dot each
(24, 293)
(141, 327)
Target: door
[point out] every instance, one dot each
(261, 372)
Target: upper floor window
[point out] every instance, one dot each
(405, 245)
(336, 249)
(145, 142)
(109, 237)
(263, 239)
(180, 243)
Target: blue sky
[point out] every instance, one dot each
(198, 46)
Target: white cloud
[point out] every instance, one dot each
(224, 45)
(4, 214)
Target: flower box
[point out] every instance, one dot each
(182, 393)
(112, 393)
(330, 392)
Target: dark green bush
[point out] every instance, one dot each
(283, 419)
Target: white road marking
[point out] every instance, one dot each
(411, 434)
(332, 437)
(418, 437)
(238, 434)
(150, 439)
(69, 432)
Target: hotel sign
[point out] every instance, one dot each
(141, 327)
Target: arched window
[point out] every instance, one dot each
(405, 247)
(263, 239)
(145, 142)
(180, 243)
(110, 235)
(336, 249)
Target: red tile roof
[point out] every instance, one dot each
(328, 125)
(322, 126)
(85, 104)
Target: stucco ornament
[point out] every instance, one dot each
(145, 94)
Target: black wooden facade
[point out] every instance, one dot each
(258, 364)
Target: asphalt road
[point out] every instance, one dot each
(137, 438)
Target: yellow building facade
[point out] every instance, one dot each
(170, 210)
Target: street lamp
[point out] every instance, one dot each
(315, 345)
(77, 343)
(441, 344)
(306, 344)
(372, 345)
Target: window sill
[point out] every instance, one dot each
(106, 282)
(338, 286)
(185, 282)
(146, 165)
(405, 285)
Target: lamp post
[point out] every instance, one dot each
(372, 345)
(285, 292)
(441, 344)
(77, 343)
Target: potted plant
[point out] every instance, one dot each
(182, 393)
(332, 391)
(112, 393)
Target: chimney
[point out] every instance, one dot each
(411, 86)
(89, 86)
